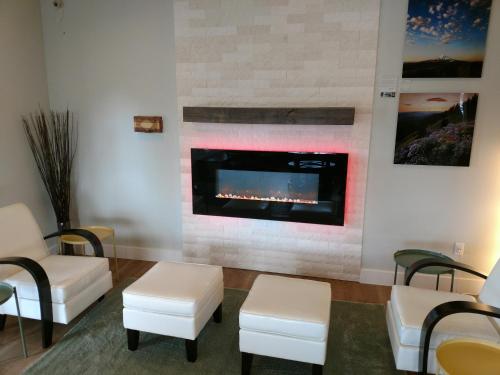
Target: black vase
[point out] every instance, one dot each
(66, 249)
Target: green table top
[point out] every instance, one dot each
(405, 258)
(6, 292)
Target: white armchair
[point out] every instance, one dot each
(51, 288)
(413, 315)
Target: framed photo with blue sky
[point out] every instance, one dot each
(445, 38)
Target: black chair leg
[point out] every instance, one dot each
(191, 349)
(317, 369)
(47, 330)
(218, 314)
(3, 319)
(132, 339)
(246, 363)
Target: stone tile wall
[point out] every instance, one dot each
(277, 53)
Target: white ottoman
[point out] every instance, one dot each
(173, 299)
(285, 318)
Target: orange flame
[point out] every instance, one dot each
(267, 199)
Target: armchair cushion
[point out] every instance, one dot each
(411, 305)
(20, 237)
(68, 276)
(490, 294)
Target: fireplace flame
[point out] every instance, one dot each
(267, 199)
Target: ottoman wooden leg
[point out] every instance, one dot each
(317, 370)
(191, 349)
(3, 318)
(218, 314)
(246, 363)
(133, 339)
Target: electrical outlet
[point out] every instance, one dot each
(459, 249)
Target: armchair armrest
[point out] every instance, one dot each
(44, 294)
(88, 235)
(430, 262)
(442, 311)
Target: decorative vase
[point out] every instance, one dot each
(66, 249)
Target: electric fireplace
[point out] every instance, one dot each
(288, 186)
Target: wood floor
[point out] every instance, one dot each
(11, 358)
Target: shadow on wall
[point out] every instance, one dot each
(438, 246)
(123, 225)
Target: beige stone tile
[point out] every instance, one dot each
(278, 53)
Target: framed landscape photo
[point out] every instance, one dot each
(435, 129)
(445, 38)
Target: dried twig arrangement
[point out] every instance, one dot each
(53, 138)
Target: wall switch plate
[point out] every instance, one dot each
(459, 249)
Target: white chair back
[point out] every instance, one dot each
(19, 236)
(490, 294)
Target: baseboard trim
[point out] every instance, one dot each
(132, 252)
(367, 276)
(143, 253)
(54, 249)
(384, 277)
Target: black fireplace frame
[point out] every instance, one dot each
(331, 168)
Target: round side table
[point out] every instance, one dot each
(468, 357)
(405, 258)
(101, 232)
(6, 292)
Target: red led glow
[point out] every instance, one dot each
(321, 145)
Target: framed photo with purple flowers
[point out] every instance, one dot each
(435, 128)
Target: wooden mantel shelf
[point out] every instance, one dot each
(267, 115)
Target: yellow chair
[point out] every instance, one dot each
(100, 231)
(468, 357)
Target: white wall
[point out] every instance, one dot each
(108, 61)
(429, 206)
(23, 88)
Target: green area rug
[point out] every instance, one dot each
(358, 344)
